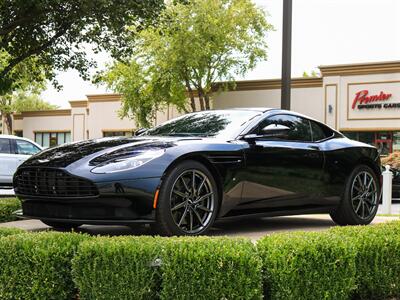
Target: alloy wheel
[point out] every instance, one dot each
(192, 201)
(364, 195)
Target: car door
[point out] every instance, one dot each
(286, 171)
(8, 162)
(23, 150)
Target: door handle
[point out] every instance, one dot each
(314, 147)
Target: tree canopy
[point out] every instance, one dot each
(193, 45)
(27, 98)
(49, 35)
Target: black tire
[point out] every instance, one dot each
(61, 225)
(353, 210)
(200, 214)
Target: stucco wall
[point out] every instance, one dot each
(308, 101)
(378, 119)
(103, 116)
(45, 124)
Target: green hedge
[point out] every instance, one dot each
(117, 268)
(10, 231)
(211, 268)
(198, 268)
(377, 259)
(38, 265)
(307, 266)
(7, 207)
(341, 263)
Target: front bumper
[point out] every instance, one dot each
(122, 202)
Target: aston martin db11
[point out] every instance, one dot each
(184, 174)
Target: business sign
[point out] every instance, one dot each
(373, 100)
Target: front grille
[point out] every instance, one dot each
(52, 183)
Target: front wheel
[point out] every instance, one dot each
(361, 198)
(188, 200)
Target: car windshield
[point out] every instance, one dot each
(216, 123)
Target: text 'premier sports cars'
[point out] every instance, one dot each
(184, 174)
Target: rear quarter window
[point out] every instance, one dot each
(5, 146)
(320, 132)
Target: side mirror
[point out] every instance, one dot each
(272, 130)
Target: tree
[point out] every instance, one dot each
(49, 35)
(194, 44)
(28, 101)
(24, 99)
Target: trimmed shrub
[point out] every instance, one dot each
(7, 207)
(377, 259)
(307, 266)
(5, 231)
(211, 268)
(38, 265)
(117, 268)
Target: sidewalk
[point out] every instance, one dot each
(6, 192)
(250, 228)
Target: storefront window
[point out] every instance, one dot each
(51, 139)
(117, 133)
(367, 137)
(351, 135)
(385, 141)
(18, 133)
(396, 141)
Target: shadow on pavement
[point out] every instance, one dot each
(252, 228)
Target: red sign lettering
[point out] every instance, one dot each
(363, 98)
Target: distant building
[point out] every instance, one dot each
(360, 100)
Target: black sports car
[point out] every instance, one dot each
(184, 174)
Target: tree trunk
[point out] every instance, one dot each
(8, 121)
(207, 100)
(191, 96)
(201, 100)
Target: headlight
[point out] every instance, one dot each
(127, 163)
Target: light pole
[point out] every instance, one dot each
(286, 54)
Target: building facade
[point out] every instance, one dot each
(360, 100)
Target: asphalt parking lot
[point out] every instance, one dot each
(250, 228)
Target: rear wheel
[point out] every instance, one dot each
(360, 201)
(188, 200)
(61, 225)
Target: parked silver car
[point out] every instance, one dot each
(13, 152)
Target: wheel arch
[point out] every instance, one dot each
(371, 164)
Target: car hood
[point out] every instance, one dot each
(97, 150)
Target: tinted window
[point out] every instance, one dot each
(319, 131)
(26, 148)
(5, 146)
(299, 127)
(222, 123)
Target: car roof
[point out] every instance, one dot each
(259, 109)
(14, 137)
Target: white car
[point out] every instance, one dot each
(13, 152)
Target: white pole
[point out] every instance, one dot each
(387, 177)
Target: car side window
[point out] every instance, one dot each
(26, 148)
(5, 146)
(299, 127)
(319, 131)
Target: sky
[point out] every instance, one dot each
(324, 32)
